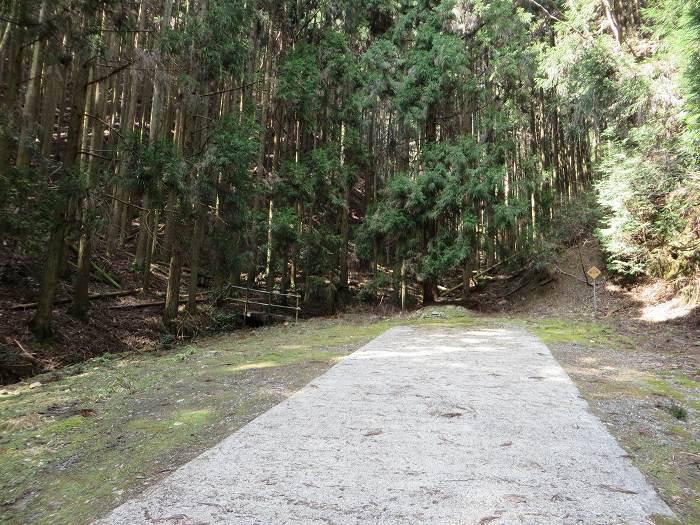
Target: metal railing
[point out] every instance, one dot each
(254, 297)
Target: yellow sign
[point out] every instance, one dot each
(594, 273)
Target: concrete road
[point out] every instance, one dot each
(422, 425)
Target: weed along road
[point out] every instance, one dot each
(434, 425)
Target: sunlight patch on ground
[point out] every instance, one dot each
(254, 366)
(674, 309)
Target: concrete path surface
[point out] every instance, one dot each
(421, 426)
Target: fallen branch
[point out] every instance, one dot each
(185, 270)
(491, 268)
(96, 155)
(106, 277)
(94, 297)
(449, 291)
(115, 198)
(559, 270)
(516, 289)
(26, 354)
(549, 14)
(237, 88)
(150, 304)
(104, 123)
(137, 305)
(524, 284)
(110, 74)
(484, 272)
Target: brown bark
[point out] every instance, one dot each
(41, 323)
(172, 296)
(158, 101)
(345, 216)
(127, 116)
(13, 76)
(28, 131)
(197, 237)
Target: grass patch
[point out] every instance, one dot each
(684, 392)
(659, 386)
(188, 352)
(560, 331)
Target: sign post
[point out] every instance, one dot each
(594, 273)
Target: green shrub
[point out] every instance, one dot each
(678, 412)
(188, 352)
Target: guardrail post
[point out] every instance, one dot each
(245, 307)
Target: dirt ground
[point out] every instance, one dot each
(108, 330)
(115, 325)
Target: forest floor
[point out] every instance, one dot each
(112, 328)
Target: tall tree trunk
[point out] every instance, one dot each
(142, 259)
(613, 21)
(12, 82)
(197, 237)
(31, 97)
(81, 299)
(172, 296)
(120, 212)
(169, 230)
(269, 269)
(404, 286)
(53, 81)
(345, 215)
(466, 280)
(41, 323)
(265, 96)
(429, 229)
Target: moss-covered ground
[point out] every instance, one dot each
(84, 441)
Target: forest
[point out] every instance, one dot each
(349, 261)
(352, 145)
